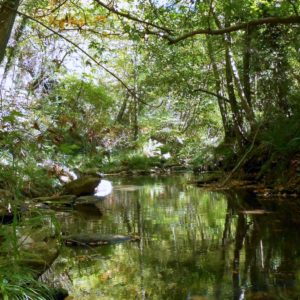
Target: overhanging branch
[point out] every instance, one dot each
(131, 17)
(237, 27)
(131, 92)
(77, 47)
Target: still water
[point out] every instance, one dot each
(194, 244)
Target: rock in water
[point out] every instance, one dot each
(60, 201)
(82, 186)
(96, 239)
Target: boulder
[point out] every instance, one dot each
(82, 186)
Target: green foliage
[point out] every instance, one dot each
(84, 91)
(130, 161)
(140, 162)
(26, 178)
(69, 149)
(75, 113)
(18, 277)
(282, 135)
(202, 159)
(12, 117)
(18, 282)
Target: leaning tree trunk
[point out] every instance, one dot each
(7, 19)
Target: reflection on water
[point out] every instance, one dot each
(194, 244)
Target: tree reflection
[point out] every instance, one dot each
(193, 244)
(270, 248)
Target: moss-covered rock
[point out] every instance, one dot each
(82, 186)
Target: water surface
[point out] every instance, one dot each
(194, 244)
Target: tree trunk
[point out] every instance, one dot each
(135, 118)
(228, 130)
(135, 96)
(11, 51)
(246, 65)
(230, 63)
(7, 19)
(236, 113)
(249, 114)
(122, 109)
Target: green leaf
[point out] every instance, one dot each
(69, 148)
(11, 118)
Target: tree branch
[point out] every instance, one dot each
(131, 17)
(212, 94)
(53, 10)
(77, 47)
(237, 27)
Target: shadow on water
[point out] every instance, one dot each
(194, 244)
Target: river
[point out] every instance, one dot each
(194, 244)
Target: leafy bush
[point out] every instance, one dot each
(141, 162)
(283, 135)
